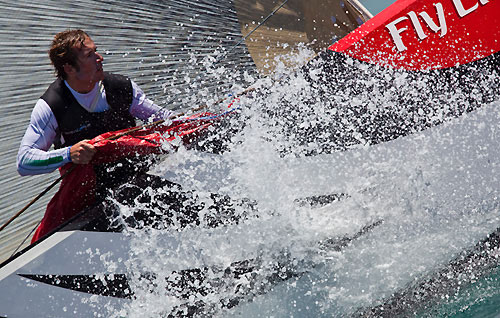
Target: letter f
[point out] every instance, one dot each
(396, 33)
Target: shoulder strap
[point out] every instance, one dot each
(59, 98)
(118, 91)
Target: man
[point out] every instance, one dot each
(78, 106)
(82, 103)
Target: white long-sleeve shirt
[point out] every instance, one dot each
(34, 156)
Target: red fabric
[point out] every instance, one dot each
(77, 189)
(472, 32)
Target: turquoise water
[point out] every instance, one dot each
(480, 299)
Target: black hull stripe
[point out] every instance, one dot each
(111, 285)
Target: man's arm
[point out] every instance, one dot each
(143, 108)
(33, 156)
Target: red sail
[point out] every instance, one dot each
(424, 34)
(77, 189)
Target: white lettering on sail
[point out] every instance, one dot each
(436, 27)
(462, 12)
(396, 33)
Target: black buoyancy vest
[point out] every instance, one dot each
(76, 123)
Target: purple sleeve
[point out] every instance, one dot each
(145, 109)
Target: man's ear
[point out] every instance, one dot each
(69, 69)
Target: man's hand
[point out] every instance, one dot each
(82, 152)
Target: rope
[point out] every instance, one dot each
(210, 117)
(41, 194)
(251, 32)
(29, 234)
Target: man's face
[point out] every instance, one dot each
(89, 63)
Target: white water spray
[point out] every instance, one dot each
(435, 191)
